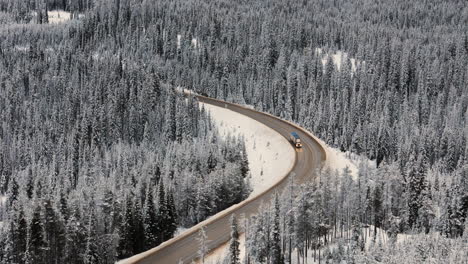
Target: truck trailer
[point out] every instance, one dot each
(295, 140)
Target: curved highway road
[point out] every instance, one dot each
(184, 248)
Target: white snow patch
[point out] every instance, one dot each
(3, 200)
(21, 48)
(269, 154)
(337, 58)
(179, 40)
(338, 160)
(180, 230)
(58, 16)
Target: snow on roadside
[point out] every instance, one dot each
(270, 155)
(180, 230)
(217, 255)
(338, 160)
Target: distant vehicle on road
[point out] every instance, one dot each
(295, 139)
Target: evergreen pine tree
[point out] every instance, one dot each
(203, 249)
(150, 222)
(126, 231)
(234, 251)
(36, 236)
(275, 250)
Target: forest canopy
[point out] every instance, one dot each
(94, 133)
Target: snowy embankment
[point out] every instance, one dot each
(338, 160)
(270, 155)
(216, 256)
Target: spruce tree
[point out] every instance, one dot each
(126, 231)
(150, 222)
(36, 236)
(234, 251)
(202, 239)
(276, 256)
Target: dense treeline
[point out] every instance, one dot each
(100, 159)
(402, 101)
(338, 217)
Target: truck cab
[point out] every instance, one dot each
(295, 140)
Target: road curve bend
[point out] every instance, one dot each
(184, 248)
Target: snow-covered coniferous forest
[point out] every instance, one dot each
(107, 150)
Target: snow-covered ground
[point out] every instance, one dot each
(370, 237)
(338, 160)
(405, 244)
(270, 155)
(58, 16)
(217, 255)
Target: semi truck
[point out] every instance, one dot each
(295, 140)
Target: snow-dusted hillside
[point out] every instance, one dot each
(338, 160)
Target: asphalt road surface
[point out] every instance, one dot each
(184, 248)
